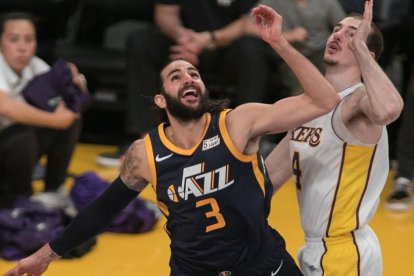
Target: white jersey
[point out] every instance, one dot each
(12, 84)
(338, 183)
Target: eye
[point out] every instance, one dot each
(30, 39)
(13, 39)
(351, 34)
(195, 75)
(174, 77)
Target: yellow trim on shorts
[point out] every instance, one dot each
(341, 257)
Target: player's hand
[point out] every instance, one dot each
(364, 28)
(35, 264)
(269, 23)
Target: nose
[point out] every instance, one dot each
(21, 46)
(338, 36)
(188, 78)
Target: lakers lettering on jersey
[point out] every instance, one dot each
(338, 183)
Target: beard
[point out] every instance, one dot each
(185, 113)
(329, 62)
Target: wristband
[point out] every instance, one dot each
(213, 41)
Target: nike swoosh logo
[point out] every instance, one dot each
(159, 159)
(277, 270)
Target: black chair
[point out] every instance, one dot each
(103, 65)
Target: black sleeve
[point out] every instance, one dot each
(94, 218)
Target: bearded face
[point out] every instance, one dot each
(177, 107)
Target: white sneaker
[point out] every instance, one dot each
(401, 199)
(111, 159)
(55, 200)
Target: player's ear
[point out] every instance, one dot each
(159, 100)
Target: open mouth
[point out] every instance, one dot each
(334, 47)
(190, 93)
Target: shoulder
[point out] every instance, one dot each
(137, 148)
(38, 65)
(135, 164)
(6, 75)
(4, 87)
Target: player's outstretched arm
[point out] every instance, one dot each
(319, 96)
(383, 103)
(35, 264)
(94, 218)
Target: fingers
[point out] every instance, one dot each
(368, 10)
(12, 272)
(263, 14)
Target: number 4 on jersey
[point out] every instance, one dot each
(296, 169)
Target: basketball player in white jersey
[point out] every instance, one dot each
(340, 160)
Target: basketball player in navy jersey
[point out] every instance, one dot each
(340, 160)
(209, 180)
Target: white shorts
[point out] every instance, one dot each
(355, 254)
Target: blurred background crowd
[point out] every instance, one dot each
(120, 46)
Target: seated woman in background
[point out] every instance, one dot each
(26, 132)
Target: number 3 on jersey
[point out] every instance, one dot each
(214, 213)
(296, 169)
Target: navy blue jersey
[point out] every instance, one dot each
(215, 198)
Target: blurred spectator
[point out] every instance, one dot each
(207, 33)
(51, 18)
(307, 24)
(401, 198)
(26, 133)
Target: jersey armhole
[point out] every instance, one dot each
(227, 140)
(150, 158)
(341, 131)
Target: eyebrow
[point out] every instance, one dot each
(172, 72)
(193, 69)
(348, 27)
(178, 70)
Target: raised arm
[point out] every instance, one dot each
(319, 96)
(316, 88)
(382, 103)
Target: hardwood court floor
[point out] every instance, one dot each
(148, 254)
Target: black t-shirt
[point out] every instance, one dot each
(202, 15)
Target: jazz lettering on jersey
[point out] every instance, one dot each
(196, 182)
(309, 135)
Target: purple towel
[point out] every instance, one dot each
(46, 90)
(135, 218)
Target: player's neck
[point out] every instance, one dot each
(186, 134)
(342, 78)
